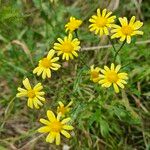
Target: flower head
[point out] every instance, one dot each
(111, 76)
(47, 64)
(95, 74)
(126, 30)
(101, 22)
(67, 47)
(54, 126)
(35, 95)
(73, 24)
(63, 109)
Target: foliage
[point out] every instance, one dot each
(101, 119)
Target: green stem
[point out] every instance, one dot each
(76, 33)
(112, 43)
(117, 52)
(6, 111)
(80, 59)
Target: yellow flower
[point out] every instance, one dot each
(101, 22)
(127, 30)
(63, 109)
(47, 64)
(95, 74)
(67, 47)
(55, 127)
(73, 24)
(35, 95)
(111, 76)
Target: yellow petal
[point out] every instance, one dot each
(112, 66)
(57, 138)
(40, 70)
(137, 25)
(132, 20)
(35, 103)
(98, 12)
(41, 98)
(107, 84)
(26, 84)
(51, 116)
(48, 73)
(59, 116)
(68, 127)
(21, 94)
(66, 120)
(38, 87)
(65, 133)
(50, 54)
(30, 103)
(120, 85)
(102, 81)
(50, 138)
(21, 90)
(44, 121)
(128, 39)
(44, 129)
(61, 104)
(117, 68)
(104, 12)
(55, 59)
(44, 74)
(116, 88)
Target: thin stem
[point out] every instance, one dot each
(76, 33)
(6, 111)
(117, 52)
(80, 59)
(112, 43)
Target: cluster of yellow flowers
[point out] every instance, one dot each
(109, 76)
(102, 24)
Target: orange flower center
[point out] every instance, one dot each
(62, 110)
(46, 63)
(112, 76)
(67, 47)
(94, 74)
(127, 30)
(56, 126)
(31, 93)
(101, 21)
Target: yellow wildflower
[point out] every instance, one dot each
(47, 64)
(101, 22)
(35, 95)
(63, 109)
(127, 30)
(73, 24)
(95, 74)
(54, 126)
(111, 76)
(67, 47)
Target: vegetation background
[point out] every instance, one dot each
(102, 120)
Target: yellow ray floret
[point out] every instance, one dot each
(68, 47)
(73, 24)
(111, 76)
(94, 74)
(35, 95)
(63, 109)
(47, 64)
(126, 30)
(101, 22)
(54, 126)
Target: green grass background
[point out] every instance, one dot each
(102, 119)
